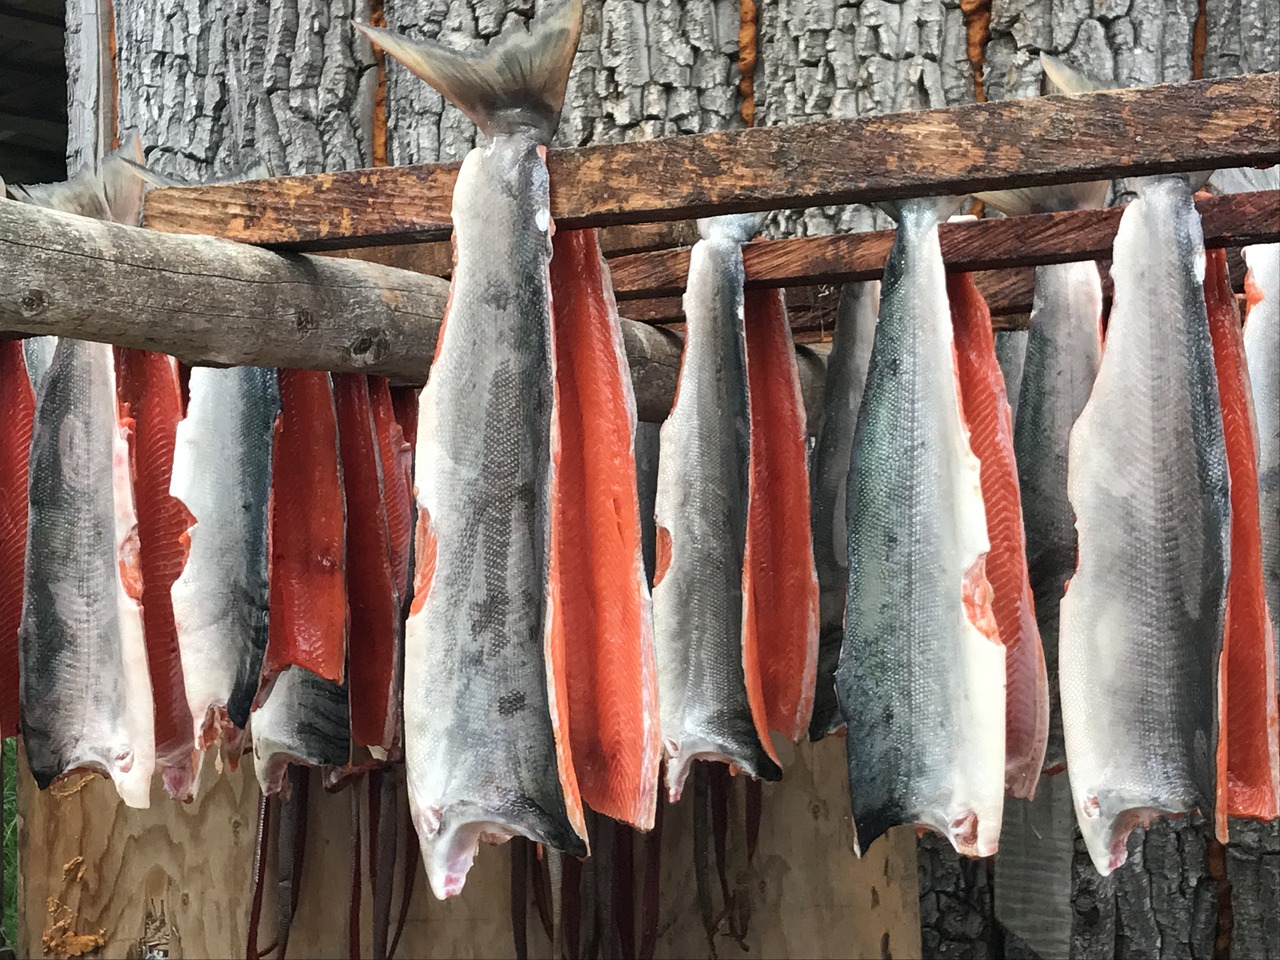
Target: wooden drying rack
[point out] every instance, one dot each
(375, 306)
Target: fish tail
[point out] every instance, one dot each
(517, 82)
(734, 227)
(1090, 195)
(940, 208)
(113, 192)
(1061, 77)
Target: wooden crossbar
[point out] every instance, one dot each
(1201, 125)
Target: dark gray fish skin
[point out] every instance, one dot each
(1142, 620)
(480, 747)
(84, 686)
(1063, 351)
(222, 473)
(1011, 352)
(920, 685)
(842, 396)
(701, 512)
(1037, 847)
(647, 438)
(306, 720)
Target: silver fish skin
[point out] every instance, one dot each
(1011, 353)
(1142, 619)
(480, 748)
(1034, 864)
(842, 396)
(920, 684)
(84, 687)
(222, 474)
(1063, 349)
(701, 512)
(304, 719)
(1262, 352)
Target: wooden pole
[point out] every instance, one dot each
(1169, 128)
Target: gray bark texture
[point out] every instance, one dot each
(215, 86)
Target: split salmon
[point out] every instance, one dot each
(601, 618)
(84, 686)
(222, 465)
(986, 410)
(1011, 353)
(1262, 348)
(397, 476)
(1248, 771)
(147, 389)
(709, 692)
(482, 756)
(922, 671)
(309, 615)
(1058, 366)
(18, 402)
(374, 640)
(1142, 619)
(304, 720)
(842, 396)
(648, 436)
(780, 589)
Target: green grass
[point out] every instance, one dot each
(9, 828)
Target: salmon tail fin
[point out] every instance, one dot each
(1061, 77)
(734, 227)
(941, 208)
(112, 192)
(1245, 179)
(518, 81)
(1090, 195)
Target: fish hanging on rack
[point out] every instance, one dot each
(481, 749)
(84, 684)
(922, 670)
(600, 614)
(709, 688)
(1248, 760)
(1011, 354)
(780, 590)
(842, 396)
(18, 402)
(1142, 623)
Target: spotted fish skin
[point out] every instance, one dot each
(921, 675)
(222, 472)
(84, 686)
(1142, 620)
(1011, 352)
(482, 758)
(701, 511)
(842, 396)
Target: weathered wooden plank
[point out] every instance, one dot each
(967, 246)
(1021, 142)
(213, 302)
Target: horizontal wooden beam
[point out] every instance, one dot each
(213, 302)
(967, 246)
(1010, 143)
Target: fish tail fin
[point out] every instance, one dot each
(1061, 77)
(113, 192)
(518, 81)
(734, 227)
(1068, 196)
(940, 208)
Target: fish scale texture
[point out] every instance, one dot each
(1248, 749)
(600, 604)
(841, 398)
(1142, 619)
(479, 743)
(701, 512)
(222, 465)
(921, 675)
(986, 410)
(1064, 346)
(18, 402)
(147, 386)
(84, 685)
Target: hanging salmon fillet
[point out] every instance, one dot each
(308, 626)
(599, 597)
(396, 452)
(1248, 741)
(18, 403)
(780, 589)
(148, 392)
(986, 410)
(374, 659)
